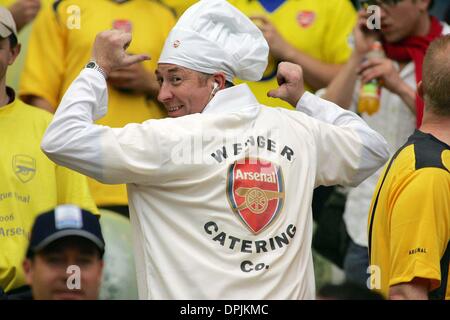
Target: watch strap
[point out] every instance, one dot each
(93, 65)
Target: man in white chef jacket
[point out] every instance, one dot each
(220, 193)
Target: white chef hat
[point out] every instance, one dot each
(213, 36)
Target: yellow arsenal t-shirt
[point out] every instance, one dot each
(409, 219)
(60, 46)
(320, 29)
(30, 184)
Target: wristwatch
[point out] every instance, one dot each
(93, 65)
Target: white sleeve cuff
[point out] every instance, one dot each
(305, 103)
(97, 83)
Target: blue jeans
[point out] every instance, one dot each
(356, 262)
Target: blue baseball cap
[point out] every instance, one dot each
(65, 221)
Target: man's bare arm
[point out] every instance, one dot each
(417, 289)
(24, 11)
(316, 73)
(39, 102)
(340, 90)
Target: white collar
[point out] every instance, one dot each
(237, 98)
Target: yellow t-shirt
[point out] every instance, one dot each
(179, 6)
(320, 29)
(409, 219)
(14, 71)
(8, 3)
(60, 46)
(30, 184)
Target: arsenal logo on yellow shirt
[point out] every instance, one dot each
(24, 167)
(306, 18)
(255, 190)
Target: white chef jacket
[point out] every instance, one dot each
(206, 224)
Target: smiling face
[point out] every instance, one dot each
(183, 91)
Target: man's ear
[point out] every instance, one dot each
(220, 79)
(424, 5)
(102, 266)
(420, 90)
(27, 268)
(14, 53)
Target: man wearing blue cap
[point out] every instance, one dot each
(220, 195)
(64, 260)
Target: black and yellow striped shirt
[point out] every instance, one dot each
(409, 219)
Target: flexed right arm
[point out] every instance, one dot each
(348, 150)
(110, 155)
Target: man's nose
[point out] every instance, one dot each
(165, 94)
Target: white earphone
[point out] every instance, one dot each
(215, 88)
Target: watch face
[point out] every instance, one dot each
(90, 65)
